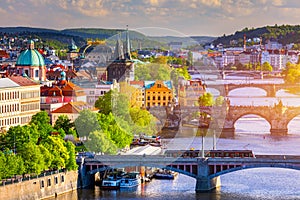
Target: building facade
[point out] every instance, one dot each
(19, 101)
(158, 93)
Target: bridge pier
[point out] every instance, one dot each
(204, 184)
(227, 133)
(278, 132)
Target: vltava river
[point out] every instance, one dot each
(252, 133)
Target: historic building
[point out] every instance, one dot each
(19, 101)
(158, 93)
(31, 63)
(59, 93)
(122, 67)
(189, 92)
(71, 110)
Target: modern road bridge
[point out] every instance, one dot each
(206, 171)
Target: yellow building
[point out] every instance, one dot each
(135, 90)
(19, 101)
(158, 93)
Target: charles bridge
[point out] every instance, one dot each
(270, 88)
(225, 116)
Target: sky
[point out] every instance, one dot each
(152, 17)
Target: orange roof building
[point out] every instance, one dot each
(71, 110)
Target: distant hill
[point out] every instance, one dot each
(63, 38)
(284, 34)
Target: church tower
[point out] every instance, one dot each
(122, 67)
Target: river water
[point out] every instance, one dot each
(252, 132)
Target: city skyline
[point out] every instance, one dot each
(165, 17)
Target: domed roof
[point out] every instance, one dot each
(30, 57)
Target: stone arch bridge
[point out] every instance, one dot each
(270, 88)
(206, 171)
(278, 116)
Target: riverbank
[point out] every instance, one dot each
(41, 188)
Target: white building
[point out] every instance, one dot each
(19, 101)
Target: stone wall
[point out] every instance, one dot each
(40, 188)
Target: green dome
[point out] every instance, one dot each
(30, 57)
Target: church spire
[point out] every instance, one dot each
(118, 54)
(127, 45)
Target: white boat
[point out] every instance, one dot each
(130, 180)
(110, 183)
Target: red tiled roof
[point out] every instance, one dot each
(22, 81)
(141, 83)
(73, 107)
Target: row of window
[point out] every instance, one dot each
(29, 107)
(9, 121)
(9, 108)
(158, 98)
(158, 93)
(5, 96)
(55, 181)
(30, 94)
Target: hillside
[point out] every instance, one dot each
(285, 34)
(62, 38)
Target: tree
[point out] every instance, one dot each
(267, 67)
(98, 141)
(65, 123)
(114, 131)
(140, 117)
(32, 157)
(206, 99)
(86, 123)
(71, 162)
(104, 103)
(55, 145)
(219, 101)
(42, 120)
(291, 73)
(190, 59)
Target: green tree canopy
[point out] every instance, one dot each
(86, 123)
(42, 120)
(65, 123)
(292, 73)
(206, 99)
(56, 147)
(98, 141)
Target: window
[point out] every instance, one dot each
(36, 73)
(49, 182)
(62, 178)
(42, 185)
(153, 98)
(55, 180)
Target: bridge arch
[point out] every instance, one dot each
(167, 167)
(250, 90)
(240, 124)
(254, 166)
(247, 113)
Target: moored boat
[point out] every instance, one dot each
(110, 183)
(164, 175)
(130, 180)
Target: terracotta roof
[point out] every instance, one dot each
(140, 83)
(22, 81)
(74, 107)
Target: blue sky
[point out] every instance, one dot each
(187, 17)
